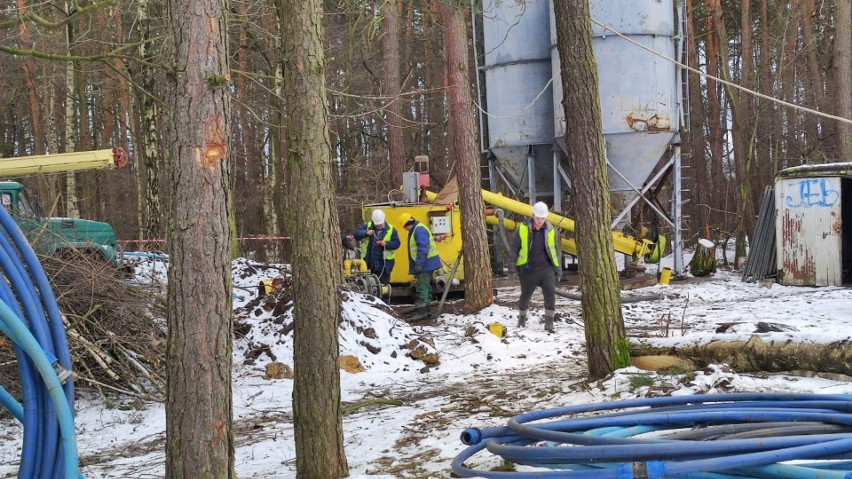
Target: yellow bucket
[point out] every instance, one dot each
(264, 287)
(666, 276)
(497, 329)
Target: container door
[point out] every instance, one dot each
(808, 227)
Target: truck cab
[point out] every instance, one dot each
(55, 236)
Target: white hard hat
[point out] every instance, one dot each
(540, 210)
(378, 217)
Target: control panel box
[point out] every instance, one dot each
(440, 225)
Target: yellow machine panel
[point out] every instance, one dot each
(444, 223)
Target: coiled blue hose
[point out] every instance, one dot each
(713, 436)
(30, 318)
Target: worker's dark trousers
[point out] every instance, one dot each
(546, 279)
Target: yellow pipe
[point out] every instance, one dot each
(59, 163)
(620, 242)
(521, 208)
(361, 265)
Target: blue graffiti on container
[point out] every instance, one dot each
(814, 193)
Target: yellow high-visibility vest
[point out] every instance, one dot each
(389, 253)
(524, 233)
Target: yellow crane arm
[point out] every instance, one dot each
(62, 162)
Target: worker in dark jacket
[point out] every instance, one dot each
(379, 242)
(537, 262)
(423, 261)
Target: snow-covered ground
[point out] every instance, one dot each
(481, 379)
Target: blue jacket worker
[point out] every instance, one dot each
(537, 262)
(423, 260)
(379, 242)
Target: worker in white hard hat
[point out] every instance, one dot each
(538, 263)
(379, 242)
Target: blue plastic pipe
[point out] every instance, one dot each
(630, 441)
(24, 338)
(30, 317)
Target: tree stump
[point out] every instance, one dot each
(704, 261)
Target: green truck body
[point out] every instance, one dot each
(56, 236)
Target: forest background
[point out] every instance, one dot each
(82, 75)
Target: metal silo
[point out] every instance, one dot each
(519, 90)
(639, 90)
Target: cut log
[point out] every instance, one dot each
(759, 355)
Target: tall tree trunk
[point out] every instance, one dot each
(477, 262)
(279, 162)
(436, 129)
(199, 437)
(118, 194)
(717, 132)
(49, 185)
(391, 88)
(792, 150)
(813, 89)
(37, 92)
(843, 75)
(740, 131)
(767, 110)
(279, 142)
(697, 160)
(151, 226)
(606, 339)
(317, 257)
(33, 93)
(240, 159)
(71, 208)
(88, 201)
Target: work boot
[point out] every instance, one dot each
(522, 318)
(548, 321)
(422, 312)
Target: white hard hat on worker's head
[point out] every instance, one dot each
(540, 210)
(378, 217)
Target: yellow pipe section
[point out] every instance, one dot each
(57, 163)
(620, 242)
(358, 264)
(521, 208)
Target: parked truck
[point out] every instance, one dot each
(56, 236)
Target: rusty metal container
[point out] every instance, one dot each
(813, 225)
